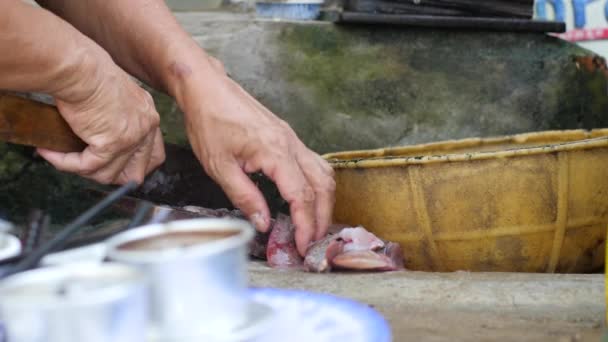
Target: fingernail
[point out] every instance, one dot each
(258, 221)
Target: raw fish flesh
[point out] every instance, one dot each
(359, 239)
(281, 251)
(320, 254)
(344, 248)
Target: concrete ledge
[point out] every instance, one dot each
(463, 306)
(572, 297)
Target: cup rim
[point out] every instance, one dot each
(243, 228)
(10, 246)
(5, 226)
(128, 278)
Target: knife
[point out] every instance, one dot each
(179, 181)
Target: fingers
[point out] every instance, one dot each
(320, 176)
(111, 172)
(137, 163)
(158, 152)
(119, 122)
(311, 215)
(314, 172)
(233, 124)
(294, 188)
(242, 192)
(80, 163)
(109, 168)
(87, 164)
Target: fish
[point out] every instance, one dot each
(362, 260)
(281, 251)
(354, 249)
(218, 213)
(390, 258)
(320, 254)
(343, 248)
(259, 244)
(359, 239)
(395, 253)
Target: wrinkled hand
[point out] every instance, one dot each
(118, 121)
(232, 134)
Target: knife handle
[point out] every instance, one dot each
(32, 123)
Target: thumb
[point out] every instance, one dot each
(73, 162)
(52, 157)
(244, 194)
(61, 161)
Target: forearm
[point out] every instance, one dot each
(34, 60)
(142, 36)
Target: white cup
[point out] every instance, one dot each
(75, 303)
(196, 290)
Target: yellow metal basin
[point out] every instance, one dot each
(535, 202)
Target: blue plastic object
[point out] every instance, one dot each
(308, 316)
(289, 11)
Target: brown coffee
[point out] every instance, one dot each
(174, 240)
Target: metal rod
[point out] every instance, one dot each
(142, 209)
(32, 259)
(140, 215)
(38, 222)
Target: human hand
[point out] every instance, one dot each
(118, 121)
(232, 134)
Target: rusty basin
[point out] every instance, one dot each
(534, 202)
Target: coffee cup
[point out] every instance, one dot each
(75, 303)
(197, 271)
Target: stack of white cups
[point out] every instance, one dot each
(179, 281)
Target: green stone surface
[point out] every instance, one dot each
(357, 87)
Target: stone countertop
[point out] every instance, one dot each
(464, 306)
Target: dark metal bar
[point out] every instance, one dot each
(140, 215)
(498, 24)
(486, 8)
(501, 8)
